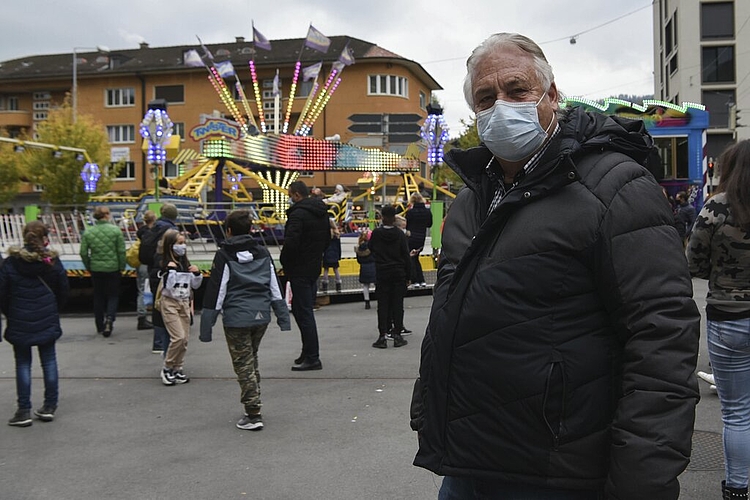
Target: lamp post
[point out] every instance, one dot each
(99, 48)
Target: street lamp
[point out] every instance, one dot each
(99, 48)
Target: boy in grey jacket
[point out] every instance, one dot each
(244, 288)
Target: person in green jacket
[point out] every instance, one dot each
(103, 255)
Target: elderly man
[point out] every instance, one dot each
(559, 356)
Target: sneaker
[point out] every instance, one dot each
(251, 423)
(156, 351)
(388, 336)
(713, 389)
(399, 341)
(180, 377)
(107, 328)
(381, 343)
(405, 331)
(423, 285)
(707, 377)
(22, 418)
(338, 287)
(45, 413)
(167, 376)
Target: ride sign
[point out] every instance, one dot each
(215, 128)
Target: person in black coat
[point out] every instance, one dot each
(33, 289)
(389, 247)
(366, 265)
(306, 235)
(418, 219)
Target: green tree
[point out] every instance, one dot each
(10, 171)
(468, 138)
(61, 177)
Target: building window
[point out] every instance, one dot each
(388, 85)
(717, 20)
(673, 64)
(422, 100)
(268, 94)
(126, 173)
(668, 37)
(179, 129)
(173, 94)
(304, 88)
(119, 134)
(171, 170)
(268, 84)
(120, 97)
(717, 64)
(12, 103)
(717, 103)
(42, 96)
(236, 94)
(40, 105)
(40, 115)
(268, 104)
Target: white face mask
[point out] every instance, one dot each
(179, 249)
(511, 130)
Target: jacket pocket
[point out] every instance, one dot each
(553, 404)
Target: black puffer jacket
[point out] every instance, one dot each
(563, 337)
(306, 235)
(33, 289)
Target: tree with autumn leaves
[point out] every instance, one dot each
(59, 177)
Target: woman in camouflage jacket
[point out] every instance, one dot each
(719, 251)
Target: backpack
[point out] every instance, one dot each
(132, 255)
(149, 243)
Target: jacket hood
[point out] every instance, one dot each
(312, 205)
(580, 132)
(31, 263)
(242, 246)
(390, 234)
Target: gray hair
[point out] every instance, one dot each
(543, 68)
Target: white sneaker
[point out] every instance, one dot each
(707, 377)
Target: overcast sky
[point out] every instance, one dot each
(439, 34)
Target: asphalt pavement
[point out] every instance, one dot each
(339, 433)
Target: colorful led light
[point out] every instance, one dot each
(258, 102)
(90, 174)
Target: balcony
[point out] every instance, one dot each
(14, 119)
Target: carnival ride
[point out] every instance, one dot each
(243, 151)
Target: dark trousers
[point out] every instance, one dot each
(466, 488)
(304, 290)
(390, 304)
(106, 296)
(48, 359)
(417, 276)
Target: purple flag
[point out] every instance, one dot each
(260, 41)
(225, 69)
(347, 57)
(191, 58)
(311, 72)
(317, 40)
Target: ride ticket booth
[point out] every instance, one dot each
(679, 132)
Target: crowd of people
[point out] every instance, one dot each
(559, 358)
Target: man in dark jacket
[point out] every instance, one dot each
(560, 352)
(418, 220)
(306, 236)
(388, 246)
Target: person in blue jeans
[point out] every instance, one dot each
(717, 250)
(33, 288)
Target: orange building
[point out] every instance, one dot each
(381, 100)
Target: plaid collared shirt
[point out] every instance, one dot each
(498, 179)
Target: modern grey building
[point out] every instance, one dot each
(702, 55)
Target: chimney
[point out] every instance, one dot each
(239, 39)
(144, 45)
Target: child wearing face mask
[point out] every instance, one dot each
(178, 279)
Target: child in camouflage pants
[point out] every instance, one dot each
(244, 288)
